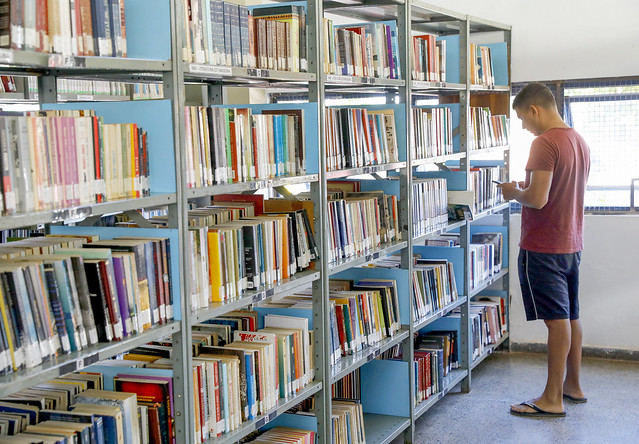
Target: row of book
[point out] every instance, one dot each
(436, 354)
(486, 193)
(222, 33)
(358, 137)
(362, 49)
(481, 65)
(360, 222)
(62, 294)
(147, 91)
(429, 58)
(79, 28)
(83, 87)
(235, 247)
(434, 286)
(488, 130)
(430, 205)
(225, 145)
(489, 322)
(486, 252)
(363, 312)
(59, 159)
(431, 132)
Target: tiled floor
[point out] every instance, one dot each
(611, 414)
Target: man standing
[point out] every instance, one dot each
(552, 199)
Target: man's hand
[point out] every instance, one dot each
(510, 190)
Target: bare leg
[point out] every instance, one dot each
(572, 386)
(551, 400)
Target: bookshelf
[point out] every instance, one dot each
(156, 37)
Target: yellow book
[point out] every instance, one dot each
(215, 266)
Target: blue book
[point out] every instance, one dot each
(217, 29)
(228, 43)
(244, 36)
(107, 419)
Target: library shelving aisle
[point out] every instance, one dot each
(65, 189)
(376, 117)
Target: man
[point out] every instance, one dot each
(552, 199)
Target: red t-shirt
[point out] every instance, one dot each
(558, 226)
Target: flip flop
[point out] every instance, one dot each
(538, 413)
(575, 399)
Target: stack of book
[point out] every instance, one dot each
(487, 130)
(226, 145)
(360, 222)
(429, 58)
(357, 137)
(481, 65)
(431, 132)
(79, 28)
(430, 205)
(434, 286)
(59, 159)
(59, 295)
(362, 49)
(223, 33)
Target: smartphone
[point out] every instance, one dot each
(498, 182)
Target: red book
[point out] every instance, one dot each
(339, 315)
(86, 27)
(111, 301)
(256, 199)
(154, 390)
(201, 400)
(97, 158)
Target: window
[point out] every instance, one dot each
(606, 114)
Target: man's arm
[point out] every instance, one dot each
(536, 195)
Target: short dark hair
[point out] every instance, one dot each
(534, 94)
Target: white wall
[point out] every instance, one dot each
(609, 285)
(564, 39)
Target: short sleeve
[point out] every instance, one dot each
(543, 155)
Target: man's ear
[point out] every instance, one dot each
(534, 110)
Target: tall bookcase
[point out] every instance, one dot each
(155, 35)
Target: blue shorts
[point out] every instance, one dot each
(549, 285)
